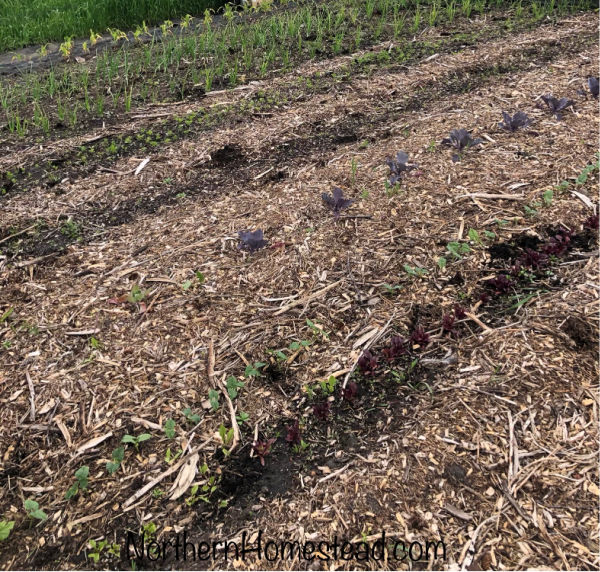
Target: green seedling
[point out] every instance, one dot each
(548, 196)
(81, 482)
(302, 446)
(474, 236)
(227, 436)
(279, 355)
(170, 457)
(157, 493)
(169, 428)
(95, 549)
(441, 262)
(253, 370)
(117, 458)
(317, 330)
(5, 527)
(33, 510)
(391, 289)
(135, 441)
(458, 249)
(136, 295)
(194, 418)
(233, 385)
(242, 417)
(416, 271)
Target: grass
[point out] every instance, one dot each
(213, 57)
(41, 21)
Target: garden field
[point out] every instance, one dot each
(293, 277)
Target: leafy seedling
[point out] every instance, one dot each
(416, 271)
(226, 438)
(96, 549)
(294, 435)
(461, 140)
(169, 428)
(419, 337)
(367, 363)
(33, 510)
(117, 458)
(336, 201)
(556, 105)
(321, 410)
(317, 330)
(233, 385)
(398, 167)
(263, 448)
(517, 121)
(242, 417)
(441, 262)
(170, 457)
(593, 86)
(5, 527)
(253, 369)
(328, 385)
(391, 289)
(397, 348)
(458, 249)
(194, 418)
(81, 482)
(251, 241)
(135, 441)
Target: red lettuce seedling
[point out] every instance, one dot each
(459, 312)
(321, 410)
(592, 222)
(263, 448)
(337, 202)
(350, 392)
(556, 105)
(293, 436)
(532, 259)
(420, 337)
(500, 285)
(518, 120)
(593, 86)
(398, 167)
(367, 363)
(484, 298)
(559, 243)
(251, 241)
(397, 348)
(461, 140)
(448, 323)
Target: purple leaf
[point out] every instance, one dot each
(398, 167)
(350, 392)
(593, 85)
(367, 363)
(460, 139)
(336, 201)
(397, 348)
(518, 120)
(321, 410)
(556, 105)
(420, 336)
(251, 241)
(293, 433)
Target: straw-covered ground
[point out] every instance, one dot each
(127, 309)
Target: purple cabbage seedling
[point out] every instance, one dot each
(518, 120)
(293, 436)
(263, 448)
(337, 202)
(367, 363)
(350, 392)
(251, 241)
(556, 105)
(420, 337)
(398, 167)
(321, 410)
(397, 348)
(593, 86)
(461, 140)
(500, 285)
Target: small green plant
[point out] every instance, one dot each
(253, 369)
(170, 457)
(5, 527)
(185, 21)
(233, 385)
(416, 271)
(317, 330)
(242, 417)
(94, 37)
(548, 196)
(531, 210)
(117, 458)
(95, 343)
(300, 447)
(226, 438)
(193, 418)
(96, 549)
(458, 249)
(213, 399)
(136, 295)
(391, 289)
(135, 441)
(117, 34)
(169, 428)
(328, 386)
(441, 262)
(70, 229)
(33, 510)
(157, 493)
(66, 47)
(81, 482)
